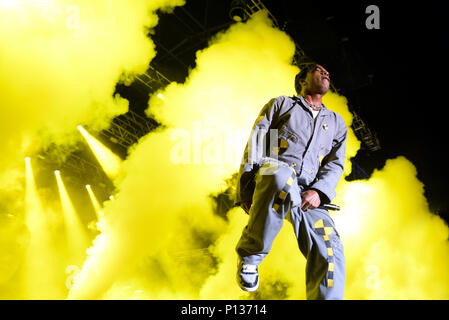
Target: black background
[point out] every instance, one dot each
(165, 309)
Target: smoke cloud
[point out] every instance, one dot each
(166, 193)
(60, 62)
(382, 218)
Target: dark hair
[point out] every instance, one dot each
(302, 74)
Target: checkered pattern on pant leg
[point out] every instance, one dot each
(283, 193)
(326, 231)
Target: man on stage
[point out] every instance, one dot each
(298, 176)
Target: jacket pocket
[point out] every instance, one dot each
(288, 134)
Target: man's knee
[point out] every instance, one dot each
(277, 176)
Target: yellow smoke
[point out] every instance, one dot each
(155, 223)
(40, 275)
(397, 249)
(60, 62)
(76, 234)
(163, 208)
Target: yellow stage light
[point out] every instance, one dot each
(76, 235)
(35, 216)
(40, 261)
(94, 200)
(109, 161)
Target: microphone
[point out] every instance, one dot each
(329, 206)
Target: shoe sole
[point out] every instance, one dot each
(251, 289)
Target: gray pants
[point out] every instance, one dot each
(276, 194)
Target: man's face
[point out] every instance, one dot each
(317, 81)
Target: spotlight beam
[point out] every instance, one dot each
(35, 218)
(39, 268)
(76, 235)
(94, 200)
(109, 161)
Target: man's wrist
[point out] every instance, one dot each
(323, 197)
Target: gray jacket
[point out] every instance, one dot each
(285, 130)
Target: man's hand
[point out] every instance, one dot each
(246, 205)
(310, 199)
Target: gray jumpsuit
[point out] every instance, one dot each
(288, 152)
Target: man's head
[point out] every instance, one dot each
(312, 79)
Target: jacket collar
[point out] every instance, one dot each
(323, 112)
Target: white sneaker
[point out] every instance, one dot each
(247, 276)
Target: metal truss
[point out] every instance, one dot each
(128, 128)
(83, 168)
(153, 79)
(252, 6)
(364, 133)
(125, 130)
(74, 165)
